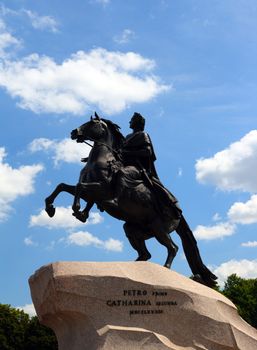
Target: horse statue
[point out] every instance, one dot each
(123, 193)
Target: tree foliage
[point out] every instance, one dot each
(20, 332)
(243, 293)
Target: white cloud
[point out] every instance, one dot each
(232, 168)
(5, 209)
(244, 213)
(37, 21)
(29, 242)
(6, 11)
(7, 41)
(125, 37)
(66, 150)
(28, 309)
(15, 183)
(63, 219)
(51, 245)
(84, 239)
(113, 245)
(107, 80)
(102, 2)
(249, 244)
(243, 268)
(220, 230)
(180, 172)
(216, 217)
(42, 22)
(94, 218)
(41, 144)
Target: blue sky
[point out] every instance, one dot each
(189, 66)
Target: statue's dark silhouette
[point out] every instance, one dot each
(120, 177)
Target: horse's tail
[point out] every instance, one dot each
(199, 270)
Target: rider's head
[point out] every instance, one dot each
(137, 122)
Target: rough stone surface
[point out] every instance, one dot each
(134, 305)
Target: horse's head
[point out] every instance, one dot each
(94, 130)
(101, 130)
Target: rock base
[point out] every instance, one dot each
(135, 305)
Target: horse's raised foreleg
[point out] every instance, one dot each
(77, 193)
(172, 248)
(85, 191)
(62, 187)
(76, 201)
(83, 215)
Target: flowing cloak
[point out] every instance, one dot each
(138, 151)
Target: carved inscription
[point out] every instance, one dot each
(143, 302)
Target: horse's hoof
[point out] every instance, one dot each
(198, 278)
(144, 257)
(86, 215)
(50, 209)
(209, 282)
(169, 261)
(79, 215)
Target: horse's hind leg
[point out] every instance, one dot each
(136, 237)
(62, 187)
(164, 239)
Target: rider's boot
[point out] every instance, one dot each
(110, 203)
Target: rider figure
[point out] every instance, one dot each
(138, 150)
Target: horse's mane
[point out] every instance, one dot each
(115, 130)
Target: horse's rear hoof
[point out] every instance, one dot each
(209, 282)
(167, 266)
(144, 257)
(50, 209)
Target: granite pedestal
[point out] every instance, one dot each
(134, 305)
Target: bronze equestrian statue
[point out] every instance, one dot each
(120, 178)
